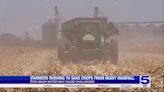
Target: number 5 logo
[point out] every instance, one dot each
(145, 79)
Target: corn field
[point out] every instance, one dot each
(43, 61)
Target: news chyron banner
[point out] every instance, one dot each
(75, 81)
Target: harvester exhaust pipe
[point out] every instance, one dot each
(57, 23)
(96, 12)
(56, 11)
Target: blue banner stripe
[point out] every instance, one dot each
(14, 79)
(30, 79)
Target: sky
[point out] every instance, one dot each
(19, 16)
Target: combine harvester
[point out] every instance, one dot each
(88, 38)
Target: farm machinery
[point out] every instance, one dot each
(88, 38)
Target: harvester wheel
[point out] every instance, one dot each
(75, 57)
(106, 53)
(114, 51)
(60, 52)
